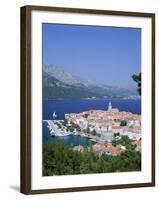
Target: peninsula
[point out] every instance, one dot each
(100, 126)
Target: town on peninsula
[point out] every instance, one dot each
(101, 126)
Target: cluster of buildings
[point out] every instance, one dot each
(107, 124)
(108, 149)
(101, 126)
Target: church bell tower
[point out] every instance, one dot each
(109, 106)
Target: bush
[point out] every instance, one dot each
(123, 123)
(59, 159)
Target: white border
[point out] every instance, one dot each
(52, 182)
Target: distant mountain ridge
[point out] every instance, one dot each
(60, 84)
(66, 77)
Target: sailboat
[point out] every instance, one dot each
(54, 115)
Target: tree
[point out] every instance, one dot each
(123, 123)
(86, 115)
(65, 122)
(94, 132)
(114, 142)
(59, 159)
(78, 128)
(88, 130)
(137, 79)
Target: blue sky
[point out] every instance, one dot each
(108, 55)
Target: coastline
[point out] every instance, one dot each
(68, 122)
(98, 125)
(54, 132)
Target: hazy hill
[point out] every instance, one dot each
(59, 84)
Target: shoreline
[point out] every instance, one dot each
(55, 132)
(117, 98)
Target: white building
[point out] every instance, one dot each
(109, 106)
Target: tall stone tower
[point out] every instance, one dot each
(109, 106)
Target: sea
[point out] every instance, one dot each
(61, 107)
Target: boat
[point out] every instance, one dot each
(54, 115)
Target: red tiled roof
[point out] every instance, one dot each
(114, 150)
(137, 142)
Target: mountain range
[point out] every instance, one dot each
(60, 84)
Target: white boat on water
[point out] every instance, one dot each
(54, 115)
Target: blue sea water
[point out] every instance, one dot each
(75, 106)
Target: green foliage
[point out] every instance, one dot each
(86, 115)
(137, 79)
(59, 159)
(125, 141)
(94, 132)
(78, 129)
(114, 142)
(65, 122)
(73, 127)
(88, 130)
(59, 125)
(123, 123)
(117, 120)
